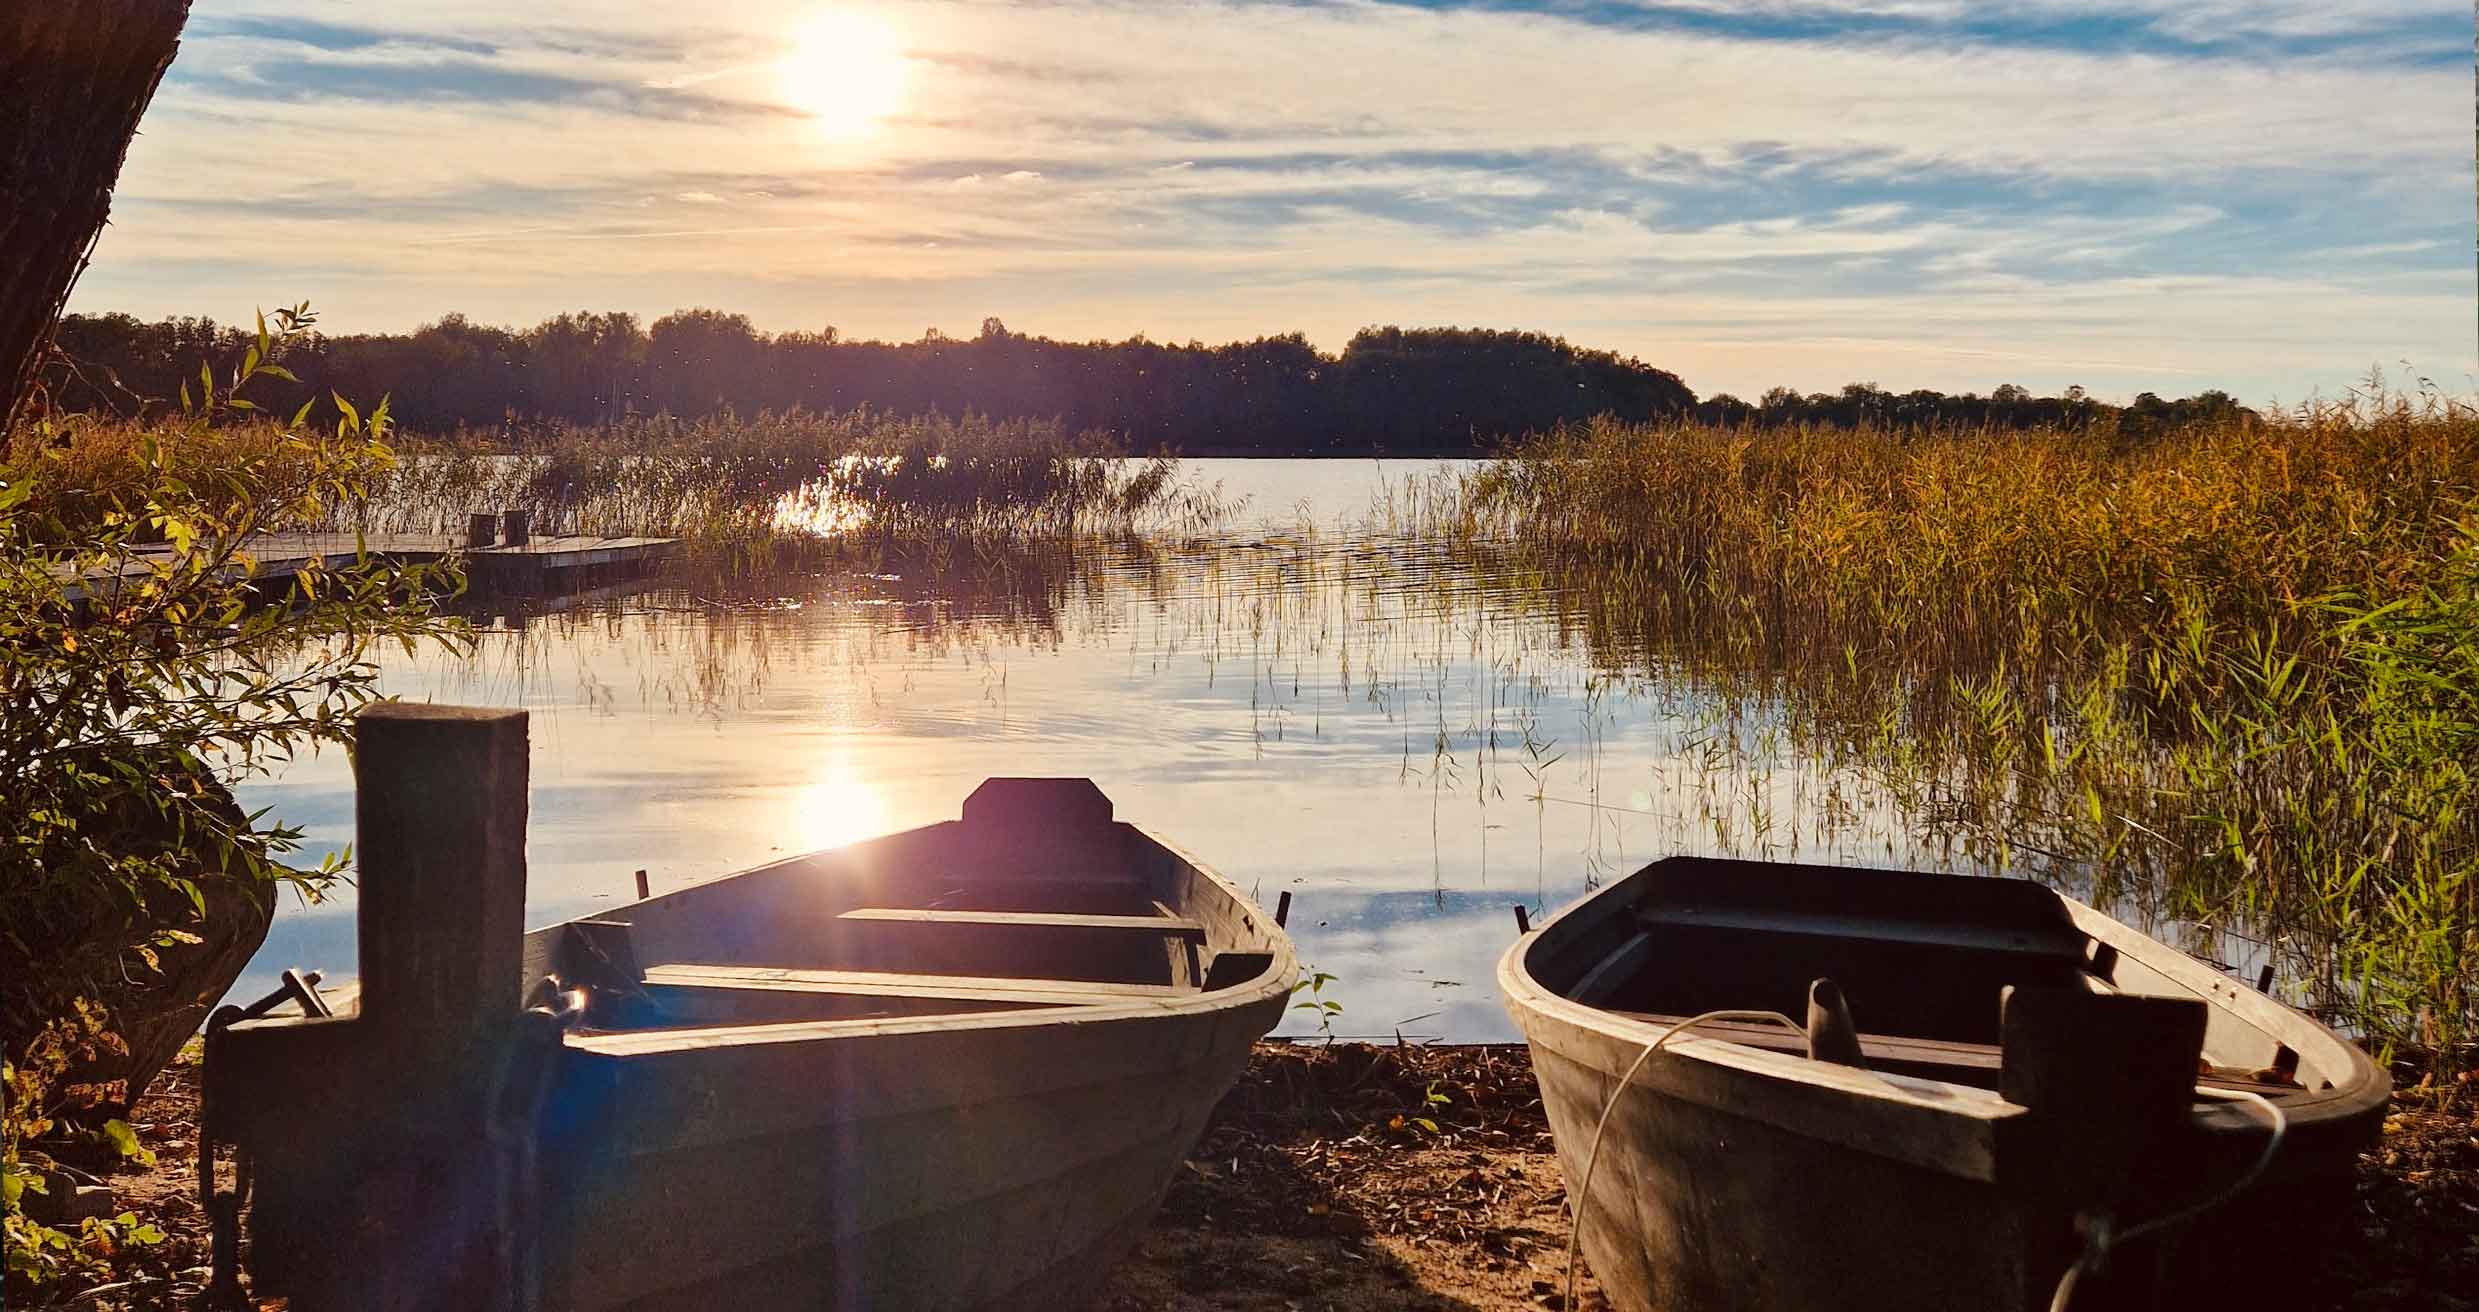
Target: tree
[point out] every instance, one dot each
(77, 77)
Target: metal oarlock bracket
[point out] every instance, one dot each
(223, 1206)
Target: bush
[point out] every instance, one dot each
(137, 682)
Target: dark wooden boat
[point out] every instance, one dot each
(949, 1068)
(1948, 1168)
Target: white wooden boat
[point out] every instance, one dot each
(1949, 1166)
(951, 1068)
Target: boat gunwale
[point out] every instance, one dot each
(1884, 1093)
(1274, 981)
(1951, 1128)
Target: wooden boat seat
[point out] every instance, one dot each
(1936, 1059)
(895, 984)
(1179, 927)
(2062, 944)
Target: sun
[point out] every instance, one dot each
(846, 70)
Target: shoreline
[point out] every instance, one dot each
(1412, 1178)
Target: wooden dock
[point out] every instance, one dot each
(540, 566)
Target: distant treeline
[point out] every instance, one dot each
(1868, 405)
(1391, 389)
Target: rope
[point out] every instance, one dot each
(2100, 1233)
(1592, 1155)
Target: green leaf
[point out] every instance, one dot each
(125, 1142)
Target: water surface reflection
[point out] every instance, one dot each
(1369, 722)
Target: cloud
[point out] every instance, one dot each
(1973, 182)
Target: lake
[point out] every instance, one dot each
(1303, 699)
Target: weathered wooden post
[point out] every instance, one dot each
(391, 1170)
(2108, 1079)
(440, 810)
(440, 815)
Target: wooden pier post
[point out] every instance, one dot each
(440, 814)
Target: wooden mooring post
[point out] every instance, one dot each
(440, 810)
(440, 818)
(389, 1176)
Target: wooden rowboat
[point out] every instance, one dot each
(1948, 1167)
(949, 1068)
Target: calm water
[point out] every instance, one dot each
(1302, 701)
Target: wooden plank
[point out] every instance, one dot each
(1879, 1049)
(1886, 929)
(1970, 1061)
(1170, 926)
(895, 984)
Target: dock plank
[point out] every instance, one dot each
(275, 557)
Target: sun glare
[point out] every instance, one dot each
(838, 806)
(846, 70)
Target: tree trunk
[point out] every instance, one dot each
(77, 76)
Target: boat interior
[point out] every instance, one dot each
(1035, 901)
(1919, 959)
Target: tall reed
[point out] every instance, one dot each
(2227, 674)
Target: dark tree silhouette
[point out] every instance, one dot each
(1400, 390)
(1391, 389)
(74, 78)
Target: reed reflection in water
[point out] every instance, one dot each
(1408, 740)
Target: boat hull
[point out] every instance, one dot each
(1004, 1184)
(1733, 1177)
(947, 1069)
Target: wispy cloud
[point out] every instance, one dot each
(1784, 190)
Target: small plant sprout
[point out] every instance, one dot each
(1313, 982)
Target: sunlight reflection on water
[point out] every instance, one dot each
(1365, 722)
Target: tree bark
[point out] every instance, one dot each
(76, 78)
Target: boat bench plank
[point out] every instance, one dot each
(2062, 943)
(1911, 1053)
(1169, 926)
(896, 984)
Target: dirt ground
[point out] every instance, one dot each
(1360, 1176)
(1418, 1179)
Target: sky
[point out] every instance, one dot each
(2266, 196)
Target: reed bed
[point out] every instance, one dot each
(743, 493)
(776, 489)
(2228, 674)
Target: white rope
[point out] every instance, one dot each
(2099, 1230)
(1592, 1155)
(2100, 1234)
